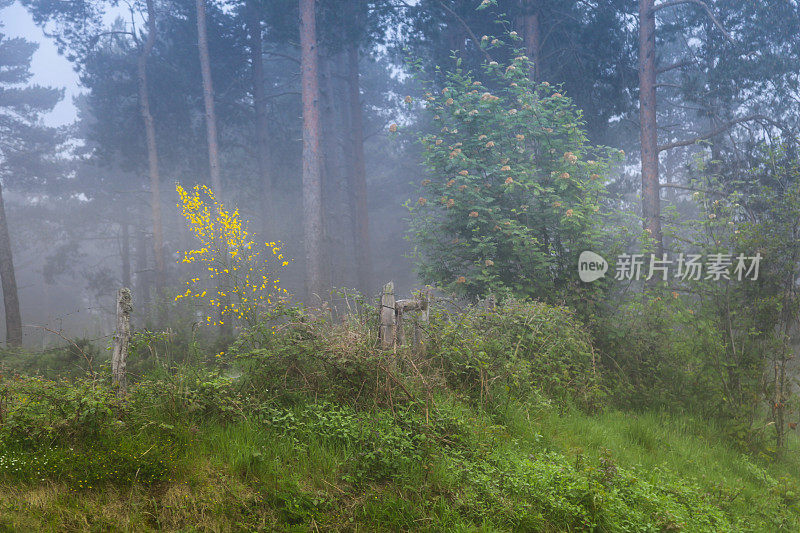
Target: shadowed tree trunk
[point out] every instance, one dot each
(357, 176)
(532, 32)
(208, 99)
(142, 276)
(312, 172)
(9, 282)
(152, 148)
(263, 151)
(651, 203)
(335, 255)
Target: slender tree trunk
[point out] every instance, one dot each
(125, 249)
(532, 32)
(778, 407)
(312, 172)
(263, 149)
(142, 276)
(208, 99)
(152, 147)
(357, 176)
(651, 206)
(9, 282)
(211, 132)
(333, 204)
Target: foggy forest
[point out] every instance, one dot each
(400, 265)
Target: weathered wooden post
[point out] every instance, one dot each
(400, 307)
(388, 331)
(423, 318)
(121, 339)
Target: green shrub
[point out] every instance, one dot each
(76, 431)
(518, 349)
(514, 189)
(36, 410)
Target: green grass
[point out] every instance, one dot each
(748, 489)
(475, 435)
(523, 468)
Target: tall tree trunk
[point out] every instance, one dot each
(357, 176)
(9, 282)
(208, 99)
(335, 248)
(142, 277)
(152, 147)
(312, 172)
(125, 253)
(532, 32)
(651, 204)
(263, 150)
(226, 326)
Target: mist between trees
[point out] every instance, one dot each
(306, 117)
(315, 265)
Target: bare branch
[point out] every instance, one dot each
(721, 129)
(283, 56)
(86, 357)
(673, 66)
(704, 6)
(686, 188)
(668, 85)
(467, 29)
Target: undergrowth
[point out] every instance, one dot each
(496, 424)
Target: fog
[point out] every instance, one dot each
(78, 190)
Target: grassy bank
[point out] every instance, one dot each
(318, 432)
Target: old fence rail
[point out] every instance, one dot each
(392, 317)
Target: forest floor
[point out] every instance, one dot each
(314, 434)
(528, 468)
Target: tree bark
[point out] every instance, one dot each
(651, 203)
(125, 253)
(9, 282)
(532, 32)
(152, 147)
(312, 173)
(357, 176)
(263, 150)
(208, 99)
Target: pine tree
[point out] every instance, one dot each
(25, 146)
(313, 229)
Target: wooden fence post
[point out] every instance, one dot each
(121, 339)
(388, 331)
(423, 317)
(392, 313)
(399, 324)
